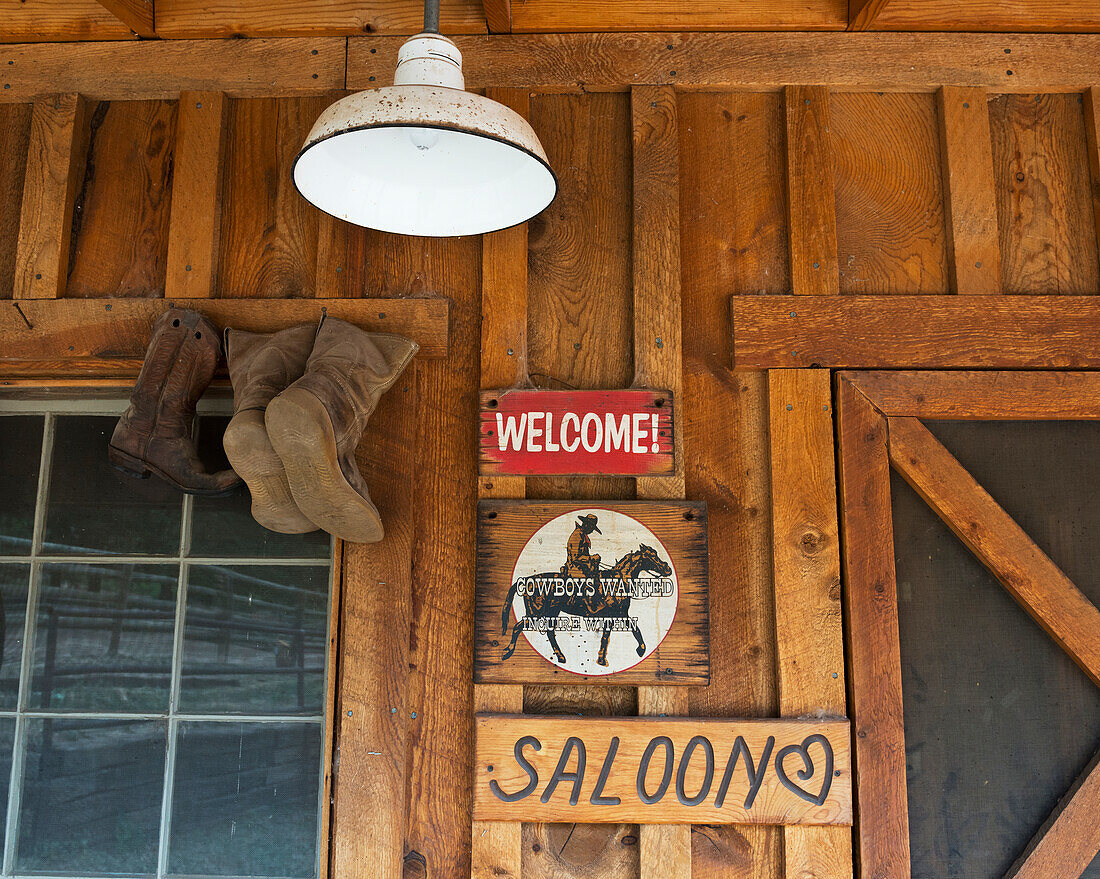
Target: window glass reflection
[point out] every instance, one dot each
(95, 509)
(103, 640)
(20, 459)
(255, 639)
(14, 583)
(245, 799)
(92, 794)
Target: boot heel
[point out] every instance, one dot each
(128, 464)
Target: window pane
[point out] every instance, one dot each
(20, 457)
(91, 796)
(255, 639)
(14, 580)
(245, 799)
(93, 508)
(103, 637)
(7, 740)
(224, 526)
(999, 720)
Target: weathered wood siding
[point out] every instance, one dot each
(871, 163)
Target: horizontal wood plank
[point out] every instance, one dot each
(49, 21)
(982, 396)
(991, 15)
(553, 16)
(998, 542)
(916, 332)
(842, 61)
(799, 770)
(67, 337)
(201, 19)
(158, 69)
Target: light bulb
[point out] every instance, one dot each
(424, 138)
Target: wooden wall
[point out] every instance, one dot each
(880, 171)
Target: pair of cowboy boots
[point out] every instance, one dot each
(301, 398)
(153, 437)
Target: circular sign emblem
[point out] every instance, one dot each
(593, 591)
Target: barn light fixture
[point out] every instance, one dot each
(424, 156)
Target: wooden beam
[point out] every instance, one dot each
(1092, 133)
(916, 332)
(498, 16)
(874, 652)
(862, 13)
(1070, 838)
(1039, 63)
(163, 69)
(806, 551)
(67, 337)
(970, 203)
(663, 850)
(200, 19)
(811, 205)
(196, 195)
(368, 825)
(497, 846)
(137, 15)
(553, 16)
(982, 396)
(998, 542)
(55, 167)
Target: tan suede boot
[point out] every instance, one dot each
(316, 423)
(260, 366)
(154, 434)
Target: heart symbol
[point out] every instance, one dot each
(806, 773)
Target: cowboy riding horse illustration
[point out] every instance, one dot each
(582, 588)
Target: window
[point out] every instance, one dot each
(163, 666)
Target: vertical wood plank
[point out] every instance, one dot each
(580, 332)
(498, 16)
(734, 238)
(15, 127)
(368, 826)
(55, 165)
(664, 850)
(497, 846)
(806, 552)
(121, 215)
(874, 652)
(1044, 213)
(1092, 135)
(970, 201)
(196, 195)
(811, 201)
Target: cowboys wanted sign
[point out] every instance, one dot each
(546, 433)
(662, 770)
(614, 592)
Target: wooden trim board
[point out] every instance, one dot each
(916, 332)
(108, 336)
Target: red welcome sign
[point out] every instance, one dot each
(553, 433)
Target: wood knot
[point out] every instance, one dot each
(812, 541)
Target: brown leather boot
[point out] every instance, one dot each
(154, 434)
(316, 423)
(260, 366)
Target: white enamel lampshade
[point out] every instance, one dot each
(424, 156)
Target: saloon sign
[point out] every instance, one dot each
(613, 592)
(621, 433)
(662, 771)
